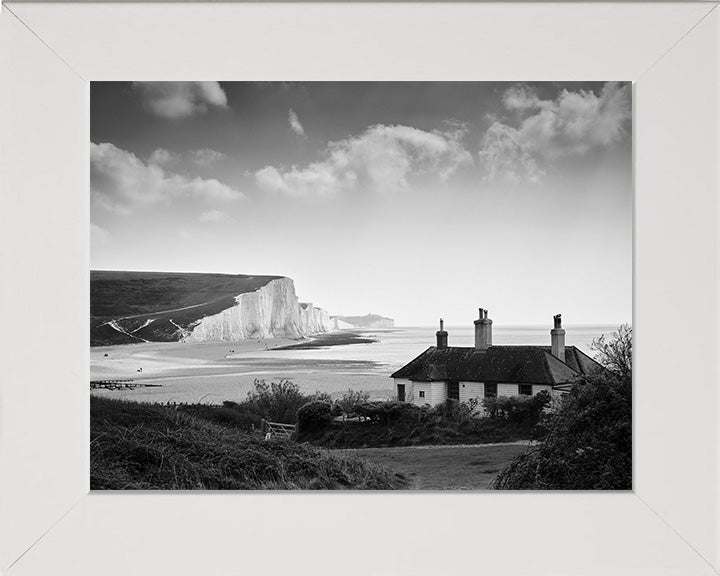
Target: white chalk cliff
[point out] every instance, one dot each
(270, 311)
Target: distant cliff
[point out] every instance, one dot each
(367, 321)
(129, 307)
(270, 311)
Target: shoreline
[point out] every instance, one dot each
(329, 339)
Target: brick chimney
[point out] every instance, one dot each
(557, 338)
(442, 336)
(483, 331)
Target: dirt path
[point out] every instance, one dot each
(444, 467)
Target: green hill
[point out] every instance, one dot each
(128, 307)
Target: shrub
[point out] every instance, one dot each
(588, 445)
(350, 400)
(519, 409)
(274, 401)
(387, 413)
(453, 412)
(314, 416)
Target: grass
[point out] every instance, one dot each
(154, 447)
(444, 468)
(145, 295)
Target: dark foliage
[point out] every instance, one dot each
(314, 416)
(588, 444)
(275, 401)
(403, 424)
(155, 447)
(350, 401)
(524, 409)
(615, 353)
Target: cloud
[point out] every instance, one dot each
(505, 157)
(162, 157)
(120, 181)
(206, 156)
(573, 124)
(176, 100)
(381, 159)
(203, 157)
(215, 216)
(98, 235)
(295, 125)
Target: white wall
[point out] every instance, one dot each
(436, 392)
(439, 392)
(513, 390)
(470, 390)
(419, 387)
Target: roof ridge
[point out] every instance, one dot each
(550, 354)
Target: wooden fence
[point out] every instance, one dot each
(270, 429)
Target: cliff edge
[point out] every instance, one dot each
(129, 307)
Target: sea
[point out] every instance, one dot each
(397, 346)
(206, 372)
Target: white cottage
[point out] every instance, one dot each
(460, 373)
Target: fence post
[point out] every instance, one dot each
(263, 426)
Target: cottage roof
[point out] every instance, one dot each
(509, 364)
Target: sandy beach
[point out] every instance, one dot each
(212, 372)
(215, 372)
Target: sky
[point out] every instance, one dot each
(414, 200)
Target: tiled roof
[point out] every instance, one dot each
(509, 364)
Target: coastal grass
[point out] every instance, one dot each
(444, 467)
(136, 446)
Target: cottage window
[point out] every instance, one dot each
(421, 394)
(490, 390)
(453, 390)
(525, 389)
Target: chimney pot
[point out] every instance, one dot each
(557, 338)
(483, 330)
(442, 335)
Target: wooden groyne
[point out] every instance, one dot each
(128, 384)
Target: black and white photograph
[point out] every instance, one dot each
(361, 285)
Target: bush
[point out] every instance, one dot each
(519, 409)
(452, 412)
(588, 445)
(276, 401)
(314, 416)
(387, 413)
(350, 400)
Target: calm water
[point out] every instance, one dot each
(202, 372)
(398, 346)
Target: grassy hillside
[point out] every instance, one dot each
(154, 447)
(158, 297)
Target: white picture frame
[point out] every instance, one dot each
(51, 524)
